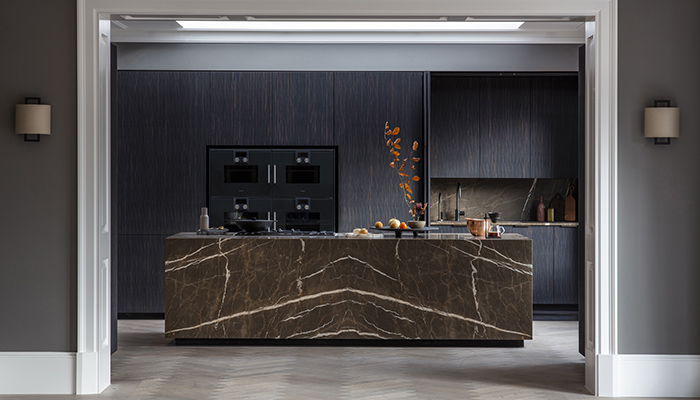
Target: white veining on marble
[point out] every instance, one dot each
(312, 330)
(397, 250)
(304, 313)
(506, 266)
(523, 215)
(491, 249)
(190, 254)
(200, 260)
(385, 331)
(349, 330)
(347, 290)
(330, 264)
(228, 276)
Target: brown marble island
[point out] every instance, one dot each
(438, 287)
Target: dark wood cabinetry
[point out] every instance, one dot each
(553, 262)
(302, 109)
(565, 266)
(504, 126)
(241, 112)
(364, 101)
(454, 137)
(554, 127)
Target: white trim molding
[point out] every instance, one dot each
(653, 375)
(602, 319)
(37, 373)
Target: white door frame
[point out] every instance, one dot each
(601, 293)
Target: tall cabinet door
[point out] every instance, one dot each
(302, 108)
(454, 127)
(504, 141)
(364, 101)
(241, 109)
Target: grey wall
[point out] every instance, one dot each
(348, 57)
(38, 180)
(659, 188)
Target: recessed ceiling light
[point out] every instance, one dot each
(364, 25)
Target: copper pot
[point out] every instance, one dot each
(478, 227)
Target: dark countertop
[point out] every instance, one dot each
(390, 236)
(564, 224)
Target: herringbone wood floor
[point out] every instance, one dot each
(148, 366)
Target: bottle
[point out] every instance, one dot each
(204, 220)
(570, 206)
(540, 210)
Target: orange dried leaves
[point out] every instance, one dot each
(395, 151)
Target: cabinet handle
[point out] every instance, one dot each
(274, 174)
(274, 224)
(268, 181)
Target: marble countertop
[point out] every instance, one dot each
(509, 223)
(341, 236)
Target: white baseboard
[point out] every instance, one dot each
(650, 375)
(37, 373)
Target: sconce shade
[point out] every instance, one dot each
(662, 122)
(33, 119)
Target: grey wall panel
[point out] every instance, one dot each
(659, 300)
(348, 57)
(38, 186)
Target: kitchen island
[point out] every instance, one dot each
(437, 287)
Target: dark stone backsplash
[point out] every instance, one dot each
(516, 199)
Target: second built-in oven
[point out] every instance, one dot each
(296, 187)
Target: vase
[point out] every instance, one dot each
(416, 224)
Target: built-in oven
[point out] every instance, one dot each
(299, 173)
(223, 210)
(240, 173)
(304, 213)
(297, 187)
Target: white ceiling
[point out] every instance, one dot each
(166, 30)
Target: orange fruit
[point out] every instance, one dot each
(403, 226)
(364, 231)
(378, 224)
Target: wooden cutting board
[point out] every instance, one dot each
(570, 206)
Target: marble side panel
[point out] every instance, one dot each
(310, 288)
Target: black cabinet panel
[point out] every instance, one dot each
(542, 128)
(303, 108)
(364, 101)
(565, 266)
(542, 261)
(454, 127)
(241, 108)
(565, 142)
(504, 142)
(141, 273)
(161, 149)
(554, 129)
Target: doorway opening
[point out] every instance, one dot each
(600, 160)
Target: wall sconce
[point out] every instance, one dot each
(32, 119)
(662, 122)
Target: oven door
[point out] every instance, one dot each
(222, 211)
(304, 173)
(240, 173)
(305, 214)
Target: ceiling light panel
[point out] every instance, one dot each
(365, 25)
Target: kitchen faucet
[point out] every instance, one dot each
(457, 197)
